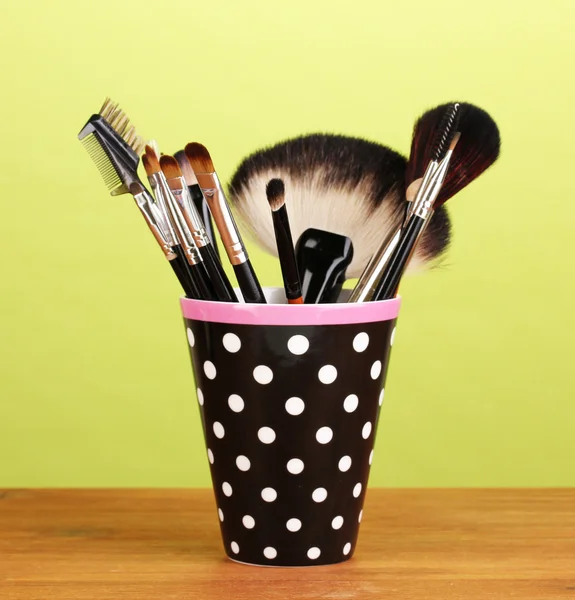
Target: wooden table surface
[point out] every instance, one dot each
(164, 544)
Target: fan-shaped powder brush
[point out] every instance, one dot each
(340, 184)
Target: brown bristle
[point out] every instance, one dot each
(118, 119)
(199, 158)
(186, 168)
(153, 160)
(275, 192)
(477, 148)
(147, 167)
(170, 166)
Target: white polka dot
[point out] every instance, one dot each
(235, 548)
(295, 466)
(381, 394)
(263, 374)
(236, 403)
(269, 494)
(324, 435)
(337, 522)
(210, 369)
(392, 338)
(298, 344)
(219, 430)
(371, 457)
(375, 369)
(350, 403)
(220, 514)
(210, 456)
(347, 548)
(344, 463)
(295, 406)
(366, 431)
(360, 516)
(319, 495)
(313, 553)
(270, 552)
(357, 490)
(191, 338)
(227, 489)
(360, 341)
(327, 374)
(266, 435)
(243, 463)
(232, 342)
(200, 396)
(293, 525)
(248, 521)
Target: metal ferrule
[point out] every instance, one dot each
(179, 189)
(430, 188)
(367, 283)
(216, 199)
(424, 181)
(162, 213)
(145, 204)
(160, 185)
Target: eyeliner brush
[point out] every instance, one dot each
(177, 184)
(423, 205)
(211, 187)
(174, 216)
(197, 197)
(275, 192)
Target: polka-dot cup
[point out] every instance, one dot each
(289, 398)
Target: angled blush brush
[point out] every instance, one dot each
(209, 182)
(446, 139)
(115, 147)
(275, 192)
(197, 197)
(344, 185)
(217, 276)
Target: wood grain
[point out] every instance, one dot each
(144, 544)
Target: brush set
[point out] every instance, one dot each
(330, 207)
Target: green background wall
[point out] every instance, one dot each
(95, 385)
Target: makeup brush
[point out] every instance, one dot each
(197, 196)
(115, 147)
(477, 149)
(175, 216)
(211, 187)
(175, 180)
(439, 156)
(344, 185)
(142, 198)
(275, 192)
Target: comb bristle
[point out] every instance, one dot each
(153, 161)
(120, 122)
(103, 162)
(275, 193)
(199, 158)
(445, 132)
(170, 166)
(186, 168)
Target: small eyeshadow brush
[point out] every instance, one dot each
(275, 192)
(209, 182)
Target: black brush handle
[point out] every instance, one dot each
(180, 267)
(221, 284)
(286, 254)
(398, 261)
(249, 284)
(202, 280)
(204, 211)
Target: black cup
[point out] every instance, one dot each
(289, 398)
